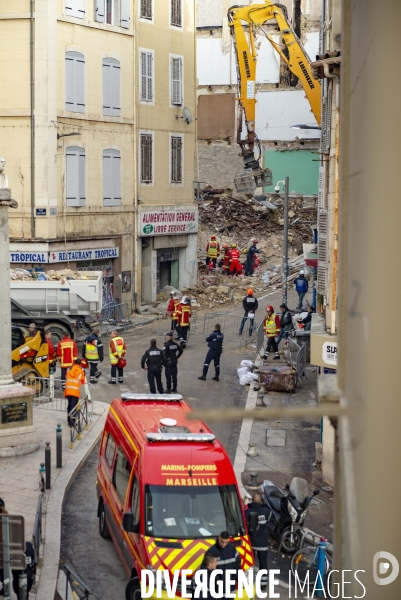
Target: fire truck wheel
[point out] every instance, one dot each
(133, 590)
(103, 529)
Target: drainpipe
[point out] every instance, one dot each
(136, 187)
(32, 118)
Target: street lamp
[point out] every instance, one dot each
(286, 186)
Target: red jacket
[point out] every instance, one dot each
(67, 352)
(183, 314)
(171, 305)
(52, 352)
(226, 260)
(235, 254)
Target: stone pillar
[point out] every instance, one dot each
(5, 322)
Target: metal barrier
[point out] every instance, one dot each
(37, 529)
(114, 315)
(78, 420)
(164, 324)
(230, 325)
(79, 589)
(49, 393)
(260, 337)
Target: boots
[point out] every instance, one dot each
(174, 391)
(112, 382)
(265, 356)
(277, 356)
(216, 378)
(202, 378)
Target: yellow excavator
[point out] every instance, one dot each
(29, 357)
(245, 23)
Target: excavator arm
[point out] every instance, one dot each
(254, 17)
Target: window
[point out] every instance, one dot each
(74, 82)
(75, 176)
(176, 13)
(146, 10)
(111, 87)
(146, 76)
(135, 503)
(146, 157)
(113, 12)
(176, 159)
(111, 178)
(121, 475)
(75, 8)
(110, 450)
(176, 80)
(17, 338)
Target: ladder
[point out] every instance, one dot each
(52, 301)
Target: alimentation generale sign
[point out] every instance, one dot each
(167, 222)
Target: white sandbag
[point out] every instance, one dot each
(247, 378)
(247, 363)
(242, 371)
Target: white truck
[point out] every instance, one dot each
(57, 306)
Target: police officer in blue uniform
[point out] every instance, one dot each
(215, 344)
(172, 352)
(260, 536)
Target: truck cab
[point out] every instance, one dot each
(166, 488)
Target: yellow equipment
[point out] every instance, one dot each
(254, 17)
(29, 356)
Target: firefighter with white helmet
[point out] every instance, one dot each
(250, 258)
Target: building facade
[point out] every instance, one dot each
(281, 101)
(90, 118)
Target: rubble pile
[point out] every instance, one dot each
(52, 275)
(243, 218)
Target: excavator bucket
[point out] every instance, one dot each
(245, 182)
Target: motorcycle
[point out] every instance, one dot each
(287, 512)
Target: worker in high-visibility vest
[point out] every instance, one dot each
(183, 314)
(271, 330)
(117, 352)
(75, 377)
(67, 353)
(171, 308)
(92, 350)
(212, 251)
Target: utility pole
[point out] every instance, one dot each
(285, 244)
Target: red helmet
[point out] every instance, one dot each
(212, 237)
(270, 308)
(255, 241)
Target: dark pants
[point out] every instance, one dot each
(171, 376)
(94, 373)
(249, 266)
(262, 560)
(63, 375)
(72, 401)
(271, 343)
(16, 584)
(114, 371)
(155, 373)
(213, 260)
(300, 298)
(173, 324)
(282, 334)
(244, 320)
(213, 355)
(182, 332)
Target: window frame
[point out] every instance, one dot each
(136, 494)
(75, 9)
(109, 61)
(148, 52)
(171, 24)
(80, 151)
(176, 183)
(120, 449)
(171, 58)
(115, 200)
(122, 6)
(146, 19)
(141, 181)
(76, 57)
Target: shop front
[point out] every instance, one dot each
(168, 248)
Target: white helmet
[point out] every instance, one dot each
(302, 272)
(184, 300)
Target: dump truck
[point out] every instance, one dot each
(57, 306)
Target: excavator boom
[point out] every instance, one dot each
(254, 17)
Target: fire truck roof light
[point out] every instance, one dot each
(151, 397)
(181, 437)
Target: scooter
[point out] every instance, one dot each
(287, 512)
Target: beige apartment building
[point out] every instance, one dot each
(98, 155)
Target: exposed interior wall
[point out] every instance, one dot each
(299, 165)
(216, 116)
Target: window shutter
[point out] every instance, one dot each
(149, 63)
(143, 76)
(322, 250)
(81, 174)
(107, 87)
(320, 196)
(125, 13)
(326, 120)
(70, 10)
(146, 158)
(80, 9)
(69, 83)
(176, 13)
(176, 81)
(176, 159)
(115, 88)
(100, 11)
(107, 179)
(146, 76)
(116, 161)
(79, 72)
(146, 9)
(72, 187)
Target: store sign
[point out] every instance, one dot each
(168, 222)
(28, 257)
(330, 353)
(92, 254)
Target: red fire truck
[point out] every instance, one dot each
(166, 488)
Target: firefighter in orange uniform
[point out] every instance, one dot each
(75, 377)
(117, 351)
(67, 353)
(235, 265)
(183, 314)
(171, 308)
(212, 251)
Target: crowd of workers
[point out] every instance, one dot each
(229, 262)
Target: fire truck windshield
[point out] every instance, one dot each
(184, 512)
